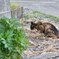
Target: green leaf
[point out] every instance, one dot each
(12, 39)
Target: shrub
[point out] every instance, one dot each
(12, 39)
(14, 6)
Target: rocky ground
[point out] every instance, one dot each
(40, 47)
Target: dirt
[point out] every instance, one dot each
(39, 44)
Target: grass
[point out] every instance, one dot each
(53, 17)
(38, 14)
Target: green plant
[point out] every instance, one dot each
(33, 14)
(14, 6)
(38, 14)
(53, 17)
(12, 39)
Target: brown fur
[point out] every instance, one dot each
(47, 28)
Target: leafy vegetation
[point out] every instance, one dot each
(53, 17)
(37, 14)
(33, 14)
(14, 6)
(12, 39)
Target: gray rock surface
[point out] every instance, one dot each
(46, 6)
(5, 8)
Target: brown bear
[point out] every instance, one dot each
(47, 28)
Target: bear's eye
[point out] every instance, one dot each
(32, 26)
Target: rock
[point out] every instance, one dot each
(45, 55)
(56, 44)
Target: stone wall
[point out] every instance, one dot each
(5, 8)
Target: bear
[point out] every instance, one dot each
(45, 27)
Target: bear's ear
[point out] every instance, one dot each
(40, 22)
(32, 22)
